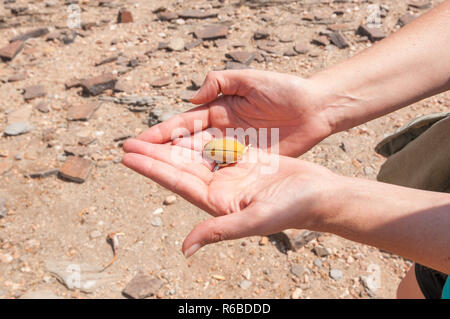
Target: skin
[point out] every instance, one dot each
(393, 73)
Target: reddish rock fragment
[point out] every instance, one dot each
(73, 83)
(161, 82)
(10, 51)
(338, 40)
(320, 40)
(301, 48)
(124, 16)
(76, 169)
(34, 91)
(212, 32)
(98, 84)
(420, 4)
(36, 33)
(374, 34)
(243, 57)
(82, 112)
(197, 14)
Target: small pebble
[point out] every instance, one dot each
(245, 284)
(169, 200)
(336, 274)
(296, 294)
(157, 221)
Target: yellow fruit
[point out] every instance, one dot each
(224, 150)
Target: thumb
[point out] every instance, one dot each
(230, 82)
(233, 226)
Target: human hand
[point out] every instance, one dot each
(244, 200)
(254, 99)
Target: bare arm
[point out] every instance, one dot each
(409, 65)
(411, 223)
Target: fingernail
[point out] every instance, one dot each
(191, 250)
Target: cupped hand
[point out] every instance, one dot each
(254, 99)
(245, 198)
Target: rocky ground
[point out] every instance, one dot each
(78, 78)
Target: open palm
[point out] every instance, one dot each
(246, 199)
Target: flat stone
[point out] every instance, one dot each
(320, 41)
(163, 45)
(197, 14)
(321, 251)
(76, 169)
(261, 34)
(73, 83)
(79, 151)
(108, 60)
(42, 173)
(212, 32)
(124, 16)
(186, 95)
(176, 44)
(193, 44)
(243, 57)
(10, 51)
(221, 43)
(336, 274)
(301, 48)
(338, 40)
(34, 91)
(17, 77)
(405, 19)
(285, 38)
(122, 86)
(18, 128)
(36, 33)
(340, 27)
(420, 4)
(98, 84)
(374, 34)
(82, 112)
(42, 107)
(298, 270)
(142, 286)
(267, 47)
(161, 82)
(317, 262)
(167, 16)
(290, 52)
(236, 66)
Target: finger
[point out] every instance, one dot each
(181, 158)
(196, 142)
(183, 123)
(186, 185)
(232, 226)
(229, 82)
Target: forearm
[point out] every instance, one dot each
(411, 223)
(411, 64)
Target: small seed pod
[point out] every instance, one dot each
(224, 151)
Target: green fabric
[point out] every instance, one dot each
(446, 291)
